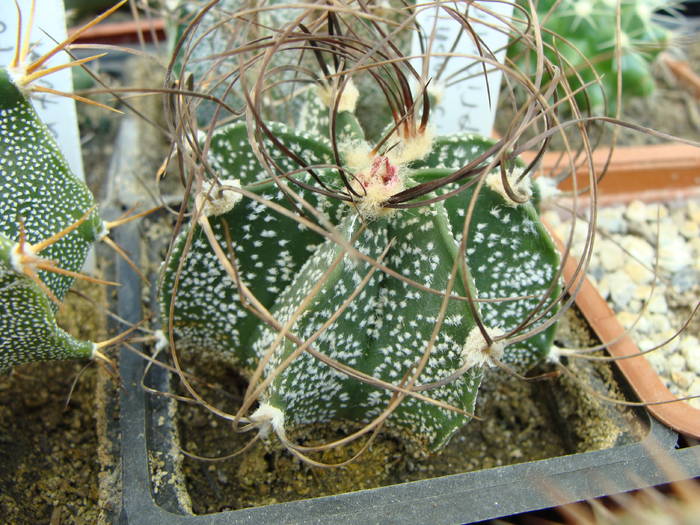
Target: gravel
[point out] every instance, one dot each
(646, 263)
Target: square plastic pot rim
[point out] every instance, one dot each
(458, 498)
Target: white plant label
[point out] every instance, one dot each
(463, 105)
(57, 112)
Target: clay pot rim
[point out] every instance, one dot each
(130, 31)
(646, 383)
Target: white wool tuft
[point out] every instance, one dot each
(217, 198)
(161, 340)
(267, 418)
(348, 98)
(522, 189)
(476, 353)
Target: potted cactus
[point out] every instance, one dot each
(338, 268)
(49, 217)
(386, 273)
(362, 279)
(594, 40)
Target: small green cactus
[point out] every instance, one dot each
(582, 38)
(349, 303)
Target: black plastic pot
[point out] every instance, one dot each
(153, 493)
(147, 435)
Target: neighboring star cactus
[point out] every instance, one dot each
(336, 315)
(48, 221)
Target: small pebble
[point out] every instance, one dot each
(626, 319)
(657, 304)
(636, 211)
(610, 220)
(656, 212)
(694, 390)
(685, 279)
(611, 256)
(673, 341)
(690, 348)
(693, 208)
(638, 248)
(634, 306)
(689, 229)
(683, 379)
(695, 245)
(638, 272)
(621, 289)
(603, 286)
(674, 254)
(659, 323)
(643, 292)
(657, 362)
(675, 363)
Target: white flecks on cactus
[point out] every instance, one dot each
(336, 303)
(40, 200)
(28, 326)
(38, 189)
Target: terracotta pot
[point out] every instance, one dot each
(130, 32)
(648, 173)
(644, 380)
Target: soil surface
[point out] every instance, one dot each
(520, 421)
(49, 470)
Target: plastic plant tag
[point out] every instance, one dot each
(464, 103)
(58, 113)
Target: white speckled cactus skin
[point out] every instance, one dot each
(352, 311)
(37, 190)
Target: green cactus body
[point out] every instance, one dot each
(37, 190)
(269, 246)
(586, 31)
(387, 323)
(27, 322)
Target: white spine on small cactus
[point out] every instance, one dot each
(218, 197)
(523, 188)
(267, 418)
(476, 352)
